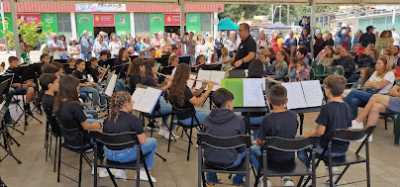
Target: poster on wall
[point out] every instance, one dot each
(103, 20)
(84, 22)
(156, 23)
(172, 19)
(49, 22)
(29, 17)
(7, 23)
(122, 23)
(193, 22)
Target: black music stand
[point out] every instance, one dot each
(4, 133)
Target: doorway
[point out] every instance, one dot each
(107, 30)
(172, 29)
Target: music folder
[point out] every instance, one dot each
(111, 85)
(248, 92)
(145, 99)
(304, 94)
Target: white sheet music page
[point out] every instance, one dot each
(253, 95)
(191, 81)
(295, 95)
(217, 77)
(111, 85)
(313, 93)
(203, 75)
(145, 99)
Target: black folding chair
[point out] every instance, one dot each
(69, 135)
(115, 141)
(178, 114)
(288, 145)
(52, 129)
(348, 135)
(222, 143)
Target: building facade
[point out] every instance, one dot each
(72, 19)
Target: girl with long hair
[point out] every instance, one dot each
(181, 96)
(280, 66)
(122, 120)
(381, 81)
(70, 112)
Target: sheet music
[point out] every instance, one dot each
(253, 95)
(295, 95)
(191, 81)
(203, 75)
(111, 85)
(145, 99)
(313, 93)
(217, 77)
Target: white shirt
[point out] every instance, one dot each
(389, 76)
(114, 47)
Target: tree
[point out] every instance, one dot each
(29, 35)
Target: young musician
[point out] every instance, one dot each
(134, 71)
(50, 84)
(104, 58)
(223, 122)
(70, 66)
(45, 58)
(86, 87)
(280, 123)
(173, 61)
(21, 86)
(93, 69)
(70, 113)
(336, 114)
(181, 96)
(121, 63)
(121, 120)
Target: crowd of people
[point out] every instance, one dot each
(368, 60)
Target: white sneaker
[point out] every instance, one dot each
(357, 125)
(102, 172)
(287, 181)
(143, 176)
(119, 173)
(261, 183)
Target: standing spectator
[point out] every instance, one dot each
(305, 39)
(201, 48)
(368, 37)
(219, 44)
(356, 38)
(262, 40)
(86, 46)
(74, 49)
(99, 45)
(385, 41)
(328, 40)
(343, 38)
(291, 43)
(114, 46)
(319, 44)
(62, 43)
(53, 46)
(396, 37)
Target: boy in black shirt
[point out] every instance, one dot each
(86, 87)
(336, 114)
(280, 123)
(223, 122)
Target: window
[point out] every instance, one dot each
(64, 23)
(141, 23)
(206, 25)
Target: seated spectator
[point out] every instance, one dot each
(325, 57)
(122, 120)
(345, 60)
(298, 72)
(280, 123)
(223, 122)
(380, 82)
(280, 66)
(302, 55)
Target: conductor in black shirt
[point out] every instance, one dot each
(247, 49)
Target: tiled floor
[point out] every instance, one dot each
(177, 172)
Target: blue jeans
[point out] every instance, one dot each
(129, 155)
(165, 109)
(212, 177)
(86, 56)
(120, 85)
(357, 98)
(201, 116)
(93, 91)
(255, 153)
(305, 155)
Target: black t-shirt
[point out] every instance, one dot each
(80, 75)
(125, 122)
(186, 105)
(17, 75)
(121, 67)
(245, 47)
(71, 115)
(47, 103)
(68, 70)
(93, 72)
(334, 115)
(282, 124)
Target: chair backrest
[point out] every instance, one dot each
(289, 145)
(223, 143)
(180, 112)
(116, 141)
(335, 70)
(352, 134)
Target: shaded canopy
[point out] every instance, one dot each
(227, 24)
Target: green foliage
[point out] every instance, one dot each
(29, 35)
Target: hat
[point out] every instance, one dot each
(370, 27)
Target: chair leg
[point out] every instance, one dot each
(59, 160)
(170, 133)
(367, 165)
(55, 155)
(80, 168)
(342, 174)
(138, 177)
(148, 173)
(190, 144)
(385, 119)
(300, 181)
(112, 177)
